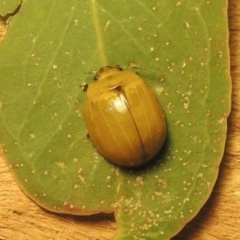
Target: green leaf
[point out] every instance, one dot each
(8, 6)
(180, 48)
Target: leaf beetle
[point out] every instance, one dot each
(124, 118)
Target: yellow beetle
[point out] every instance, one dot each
(124, 118)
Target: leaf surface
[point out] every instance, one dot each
(8, 6)
(180, 48)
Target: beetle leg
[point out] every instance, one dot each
(84, 86)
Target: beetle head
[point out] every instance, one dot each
(106, 70)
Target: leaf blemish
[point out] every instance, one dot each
(32, 136)
(61, 165)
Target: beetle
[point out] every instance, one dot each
(124, 119)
